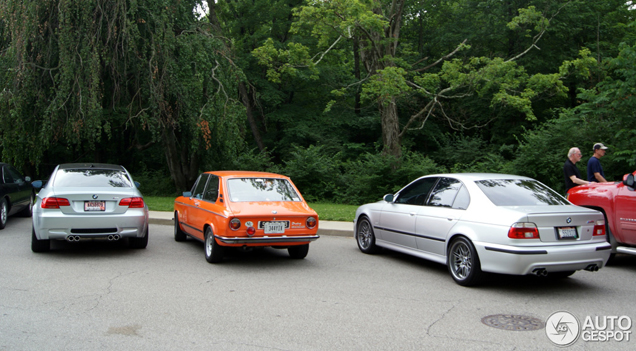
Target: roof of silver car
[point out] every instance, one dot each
(90, 165)
(479, 176)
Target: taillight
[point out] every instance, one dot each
(54, 202)
(132, 202)
(523, 230)
(235, 224)
(599, 228)
(311, 222)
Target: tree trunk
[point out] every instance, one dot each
(245, 98)
(390, 129)
(183, 172)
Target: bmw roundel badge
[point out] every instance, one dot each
(569, 220)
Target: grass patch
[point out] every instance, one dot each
(326, 211)
(160, 203)
(334, 212)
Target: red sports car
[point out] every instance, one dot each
(245, 209)
(617, 201)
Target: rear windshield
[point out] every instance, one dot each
(99, 178)
(261, 189)
(519, 192)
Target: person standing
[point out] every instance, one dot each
(571, 172)
(594, 168)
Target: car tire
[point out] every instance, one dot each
(213, 251)
(560, 275)
(28, 211)
(298, 252)
(139, 243)
(365, 237)
(179, 235)
(463, 262)
(4, 213)
(39, 245)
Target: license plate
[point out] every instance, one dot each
(94, 206)
(274, 227)
(567, 233)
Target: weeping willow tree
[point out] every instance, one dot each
(76, 74)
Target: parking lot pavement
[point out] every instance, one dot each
(332, 228)
(99, 295)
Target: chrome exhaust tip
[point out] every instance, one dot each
(71, 238)
(592, 268)
(540, 272)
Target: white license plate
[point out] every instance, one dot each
(568, 233)
(274, 227)
(94, 206)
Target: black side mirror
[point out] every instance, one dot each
(388, 198)
(137, 184)
(629, 181)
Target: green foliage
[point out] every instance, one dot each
(373, 175)
(314, 170)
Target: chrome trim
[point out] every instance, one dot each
(189, 226)
(411, 234)
(202, 209)
(266, 239)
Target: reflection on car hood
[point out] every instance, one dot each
(283, 208)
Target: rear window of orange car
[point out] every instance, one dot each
(520, 192)
(261, 189)
(101, 178)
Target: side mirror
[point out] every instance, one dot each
(137, 184)
(187, 194)
(27, 178)
(388, 198)
(37, 184)
(629, 181)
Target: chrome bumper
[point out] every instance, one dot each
(266, 239)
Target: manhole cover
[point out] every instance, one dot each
(512, 322)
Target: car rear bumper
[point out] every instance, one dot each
(516, 260)
(267, 239)
(58, 226)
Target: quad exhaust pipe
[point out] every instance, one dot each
(112, 237)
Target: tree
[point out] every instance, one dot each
(86, 72)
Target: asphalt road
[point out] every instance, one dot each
(104, 296)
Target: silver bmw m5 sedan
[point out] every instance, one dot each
(477, 223)
(86, 202)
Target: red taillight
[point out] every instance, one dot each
(599, 230)
(54, 202)
(235, 224)
(251, 231)
(523, 230)
(311, 222)
(132, 202)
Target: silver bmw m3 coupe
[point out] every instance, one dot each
(86, 202)
(476, 223)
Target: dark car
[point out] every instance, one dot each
(16, 194)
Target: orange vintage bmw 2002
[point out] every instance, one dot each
(245, 209)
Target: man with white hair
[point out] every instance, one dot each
(571, 172)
